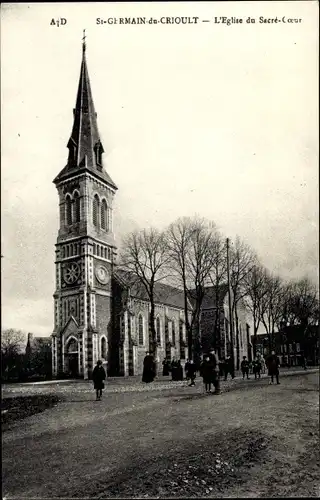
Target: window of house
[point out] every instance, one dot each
(68, 210)
(95, 211)
(140, 329)
(76, 198)
(104, 210)
(298, 347)
(158, 330)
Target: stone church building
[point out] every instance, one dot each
(100, 312)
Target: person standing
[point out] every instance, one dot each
(257, 367)
(174, 369)
(191, 373)
(166, 367)
(245, 367)
(149, 369)
(206, 371)
(215, 371)
(273, 365)
(229, 368)
(98, 377)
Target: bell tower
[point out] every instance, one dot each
(85, 248)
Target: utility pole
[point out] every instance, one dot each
(230, 305)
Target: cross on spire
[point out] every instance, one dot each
(84, 41)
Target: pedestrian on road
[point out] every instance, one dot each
(256, 368)
(206, 371)
(166, 367)
(215, 371)
(179, 370)
(273, 364)
(149, 369)
(263, 364)
(229, 368)
(245, 367)
(191, 372)
(98, 377)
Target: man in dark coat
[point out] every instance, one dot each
(174, 369)
(149, 369)
(98, 377)
(166, 367)
(228, 368)
(206, 372)
(179, 370)
(191, 372)
(245, 367)
(215, 371)
(273, 364)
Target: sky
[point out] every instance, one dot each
(210, 119)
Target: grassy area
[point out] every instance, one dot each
(18, 408)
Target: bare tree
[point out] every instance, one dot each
(144, 254)
(12, 343)
(190, 242)
(300, 303)
(272, 305)
(218, 277)
(255, 290)
(242, 262)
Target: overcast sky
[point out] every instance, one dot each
(203, 118)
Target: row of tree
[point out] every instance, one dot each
(192, 254)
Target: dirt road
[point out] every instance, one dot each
(256, 440)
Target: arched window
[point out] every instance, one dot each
(104, 210)
(173, 332)
(109, 221)
(67, 251)
(158, 330)
(109, 254)
(140, 329)
(95, 210)
(68, 210)
(94, 249)
(105, 253)
(72, 346)
(76, 207)
(103, 348)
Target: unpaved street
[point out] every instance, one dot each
(253, 440)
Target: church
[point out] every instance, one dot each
(100, 312)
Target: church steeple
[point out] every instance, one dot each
(85, 147)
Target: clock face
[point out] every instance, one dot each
(71, 273)
(102, 275)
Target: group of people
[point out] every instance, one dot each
(210, 369)
(174, 367)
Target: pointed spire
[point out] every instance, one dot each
(85, 139)
(85, 148)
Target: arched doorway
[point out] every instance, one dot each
(72, 357)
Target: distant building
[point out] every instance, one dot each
(292, 344)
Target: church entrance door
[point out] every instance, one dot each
(71, 355)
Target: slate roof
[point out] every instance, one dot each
(164, 294)
(85, 137)
(210, 298)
